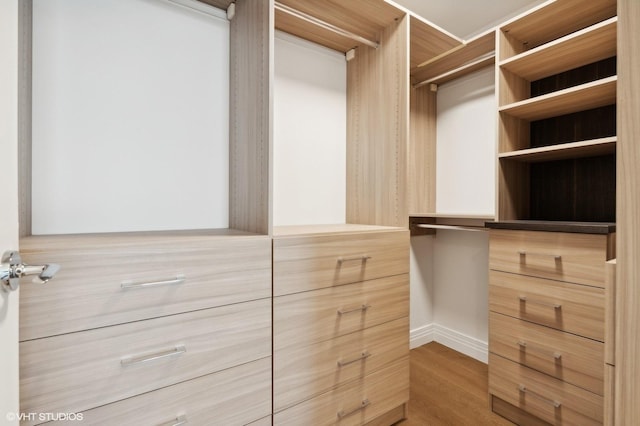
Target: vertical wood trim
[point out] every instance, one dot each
(421, 155)
(251, 116)
(609, 310)
(627, 409)
(25, 60)
(378, 129)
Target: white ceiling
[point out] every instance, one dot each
(466, 18)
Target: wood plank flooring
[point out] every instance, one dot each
(448, 388)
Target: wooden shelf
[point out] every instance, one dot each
(472, 55)
(427, 224)
(428, 41)
(579, 98)
(581, 48)
(563, 151)
(365, 18)
(554, 19)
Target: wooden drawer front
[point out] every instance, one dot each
(313, 262)
(87, 292)
(354, 403)
(576, 360)
(580, 311)
(305, 318)
(301, 372)
(577, 406)
(235, 396)
(577, 258)
(78, 371)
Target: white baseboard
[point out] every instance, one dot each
(421, 336)
(455, 340)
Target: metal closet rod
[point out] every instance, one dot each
(453, 71)
(327, 26)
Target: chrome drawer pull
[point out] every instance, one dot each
(540, 302)
(179, 421)
(553, 402)
(361, 258)
(364, 404)
(362, 308)
(139, 359)
(362, 357)
(524, 346)
(125, 285)
(556, 257)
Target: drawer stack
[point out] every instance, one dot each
(341, 326)
(546, 325)
(149, 329)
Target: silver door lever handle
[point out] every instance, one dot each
(12, 269)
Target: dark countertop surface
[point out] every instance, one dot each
(553, 226)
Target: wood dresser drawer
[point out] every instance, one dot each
(354, 403)
(314, 316)
(576, 360)
(568, 307)
(550, 399)
(301, 372)
(88, 290)
(312, 262)
(78, 371)
(236, 396)
(577, 258)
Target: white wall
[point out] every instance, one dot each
(310, 102)
(130, 117)
(466, 141)
(9, 379)
(449, 281)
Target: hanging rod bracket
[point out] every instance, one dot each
(231, 11)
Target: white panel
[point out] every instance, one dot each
(466, 144)
(130, 117)
(421, 281)
(9, 403)
(309, 133)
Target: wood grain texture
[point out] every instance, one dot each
(421, 156)
(302, 372)
(582, 311)
(311, 317)
(513, 201)
(590, 148)
(313, 262)
(582, 256)
(326, 229)
(473, 49)
(251, 116)
(579, 98)
(627, 410)
(578, 407)
(610, 313)
(86, 293)
(428, 42)
(365, 18)
(265, 421)
(555, 19)
(236, 396)
(378, 130)
(609, 395)
(514, 414)
(580, 362)
(385, 390)
(391, 417)
(581, 48)
(25, 64)
(78, 371)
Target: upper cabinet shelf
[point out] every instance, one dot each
(428, 43)
(574, 50)
(552, 20)
(580, 149)
(579, 98)
(362, 18)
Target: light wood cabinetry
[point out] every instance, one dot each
(339, 337)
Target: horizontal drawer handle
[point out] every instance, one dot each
(361, 258)
(539, 302)
(554, 256)
(139, 359)
(125, 285)
(542, 398)
(364, 404)
(362, 357)
(524, 346)
(362, 308)
(179, 421)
